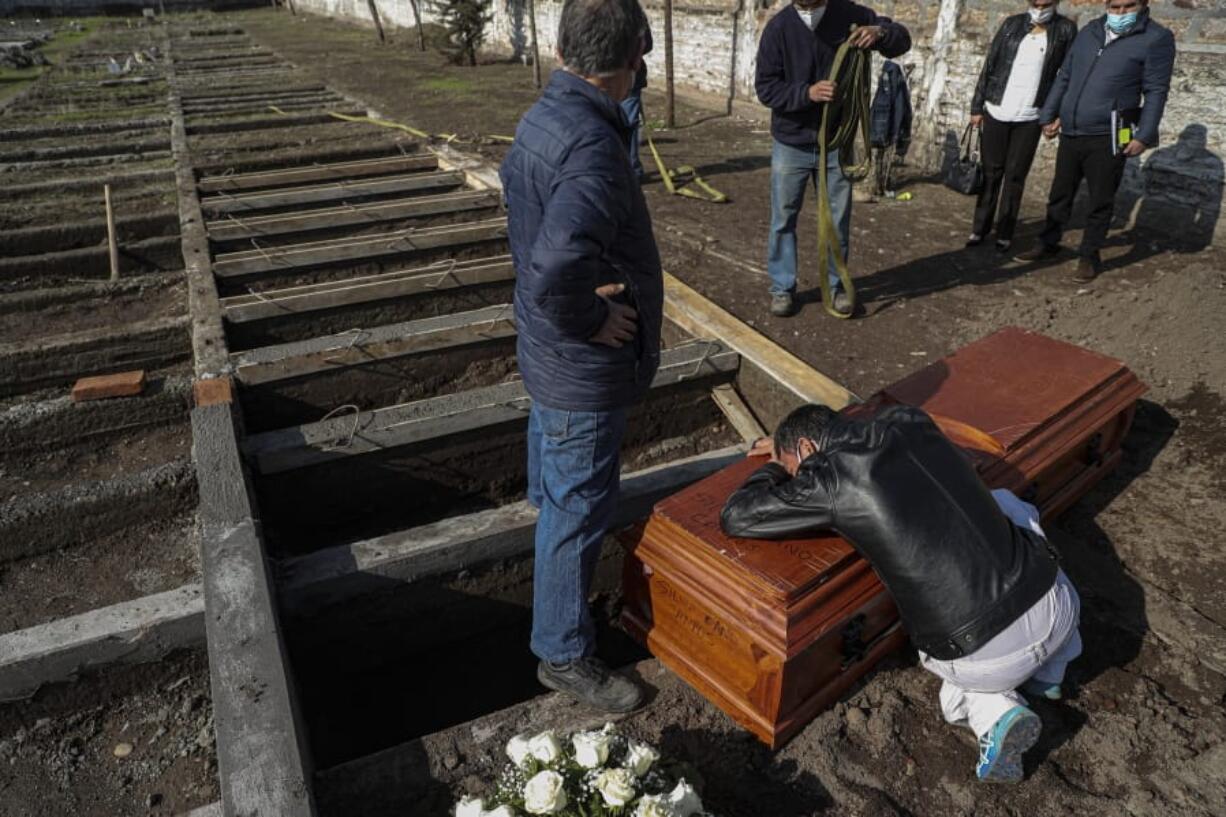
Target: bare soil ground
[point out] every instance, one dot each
(1143, 731)
(139, 741)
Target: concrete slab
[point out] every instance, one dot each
(144, 629)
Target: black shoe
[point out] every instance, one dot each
(590, 682)
(975, 240)
(1087, 270)
(1039, 253)
(1002, 247)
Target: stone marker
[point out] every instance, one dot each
(123, 384)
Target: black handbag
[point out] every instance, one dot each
(965, 172)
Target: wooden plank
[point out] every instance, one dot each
(198, 128)
(703, 318)
(356, 248)
(234, 228)
(362, 346)
(733, 406)
(275, 303)
(331, 191)
(423, 420)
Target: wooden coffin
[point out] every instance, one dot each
(775, 632)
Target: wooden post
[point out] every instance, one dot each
(536, 50)
(421, 37)
(670, 117)
(111, 244)
(374, 15)
(293, 10)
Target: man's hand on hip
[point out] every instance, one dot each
(823, 91)
(865, 37)
(621, 323)
(1052, 129)
(1135, 148)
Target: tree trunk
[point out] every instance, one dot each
(421, 38)
(374, 15)
(670, 118)
(536, 51)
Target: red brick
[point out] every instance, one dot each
(123, 384)
(213, 391)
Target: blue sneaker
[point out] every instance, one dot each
(1041, 689)
(1001, 749)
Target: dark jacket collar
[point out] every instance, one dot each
(834, 9)
(565, 86)
(1141, 24)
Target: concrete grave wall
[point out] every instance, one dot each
(1177, 188)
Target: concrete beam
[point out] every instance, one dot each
(266, 122)
(410, 423)
(235, 228)
(38, 523)
(262, 758)
(362, 346)
(59, 360)
(136, 631)
(330, 191)
(78, 183)
(283, 177)
(208, 336)
(309, 583)
(444, 275)
(13, 134)
(135, 258)
(290, 257)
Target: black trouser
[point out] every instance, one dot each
(1089, 157)
(1007, 150)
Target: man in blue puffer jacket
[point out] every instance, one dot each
(1116, 63)
(589, 300)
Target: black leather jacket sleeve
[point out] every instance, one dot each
(981, 87)
(772, 505)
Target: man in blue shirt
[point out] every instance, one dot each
(1105, 106)
(795, 55)
(589, 301)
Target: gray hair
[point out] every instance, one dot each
(598, 37)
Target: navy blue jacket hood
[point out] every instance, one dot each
(577, 220)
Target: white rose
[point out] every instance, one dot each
(616, 786)
(501, 811)
(684, 800)
(591, 749)
(543, 794)
(545, 747)
(519, 750)
(639, 757)
(652, 805)
(470, 807)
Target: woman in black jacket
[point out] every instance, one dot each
(1021, 65)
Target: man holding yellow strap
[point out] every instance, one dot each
(795, 56)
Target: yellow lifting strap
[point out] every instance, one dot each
(387, 123)
(848, 115)
(678, 180)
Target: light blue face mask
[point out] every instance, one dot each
(1120, 23)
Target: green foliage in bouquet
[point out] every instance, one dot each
(590, 774)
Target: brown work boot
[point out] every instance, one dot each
(1087, 270)
(1043, 252)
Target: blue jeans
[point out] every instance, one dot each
(574, 465)
(632, 106)
(792, 170)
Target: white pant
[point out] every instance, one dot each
(981, 687)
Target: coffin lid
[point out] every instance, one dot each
(989, 397)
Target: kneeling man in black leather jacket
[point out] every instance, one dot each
(977, 588)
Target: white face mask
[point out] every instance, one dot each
(1040, 16)
(812, 16)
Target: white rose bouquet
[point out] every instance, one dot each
(588, 774)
